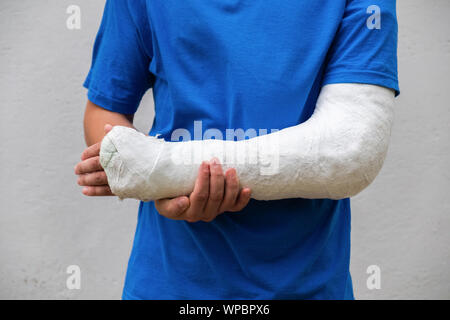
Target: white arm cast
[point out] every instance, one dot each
(335, 154)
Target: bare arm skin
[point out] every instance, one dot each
(95, 119)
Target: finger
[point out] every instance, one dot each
(242, 200)
(88, 165)
(216, 190)
(91, 151)
(231, 190)
(172, 208)
(200, 194)
(97, 178)
(97, 191)
(107, 128)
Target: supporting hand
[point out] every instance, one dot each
(213, 194)
(90, 173)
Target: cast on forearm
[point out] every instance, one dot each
(335, 154)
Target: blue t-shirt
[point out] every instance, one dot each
(250, 65)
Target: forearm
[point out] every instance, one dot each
(335, 154)
(95, 119)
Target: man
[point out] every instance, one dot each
(233, 64)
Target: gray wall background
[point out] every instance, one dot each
(400, 223)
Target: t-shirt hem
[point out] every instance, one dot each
(363, 76)
(108, 103)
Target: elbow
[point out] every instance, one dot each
(359, 164)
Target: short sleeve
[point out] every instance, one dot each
(119, 74)
(364, 49)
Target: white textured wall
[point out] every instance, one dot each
(401, 223)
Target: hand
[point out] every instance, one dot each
(213, 194)
(90, 173)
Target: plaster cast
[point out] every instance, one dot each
(335, 154)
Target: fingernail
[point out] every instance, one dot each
(182, 203)
(205, 166)
(215, 161)
(85, 190)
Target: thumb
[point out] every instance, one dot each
(172, 208)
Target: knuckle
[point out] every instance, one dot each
(232, 196)
(96, 191)
(238, 206)
(79, 168)
(84, 168)
(216, 172)
(193, 216)
(232, 185)
(189, 216)
(192, 219)
(202, 196)
(175, 211)
(225, 207)
(216, 197)
(234, 209)
(98, 178)
(222, 208)
(208, 219)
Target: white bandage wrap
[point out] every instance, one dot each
(335, 154)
